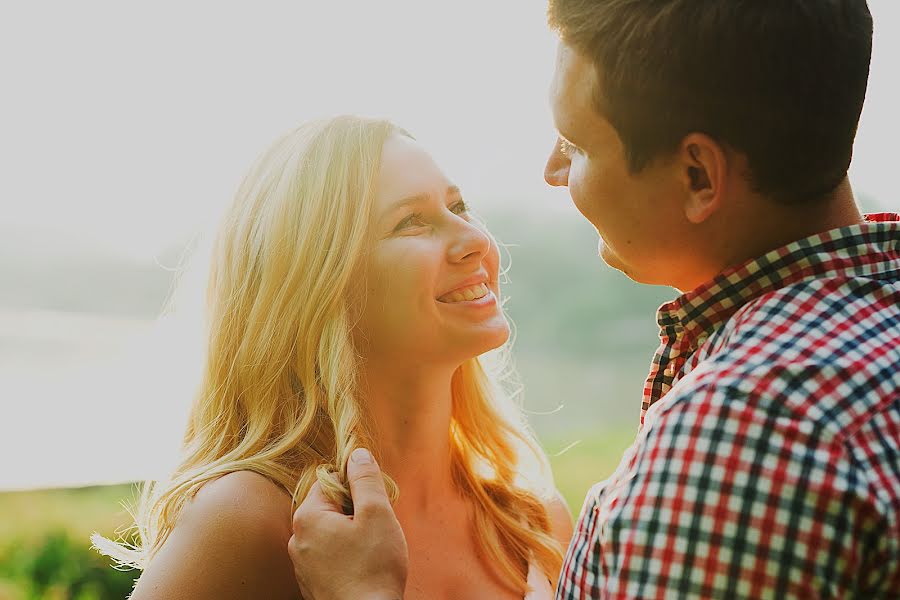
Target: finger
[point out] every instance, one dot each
(366, 483)
(315, 502)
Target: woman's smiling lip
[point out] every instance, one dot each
(474, 280)
(487, 300)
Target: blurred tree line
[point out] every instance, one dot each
(585, 333)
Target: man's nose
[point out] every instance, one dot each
(556, 171)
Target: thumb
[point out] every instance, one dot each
(366, 484)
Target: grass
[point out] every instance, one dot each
(78, 511)
(592, 458)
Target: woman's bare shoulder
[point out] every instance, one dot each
(561, 523)
(245, 493)
(230, 541)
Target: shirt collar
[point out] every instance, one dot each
(867, 249)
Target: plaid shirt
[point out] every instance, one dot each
(767, 464)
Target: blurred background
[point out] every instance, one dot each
(124, 130)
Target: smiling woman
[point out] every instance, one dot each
(428, 263)
(350, 298)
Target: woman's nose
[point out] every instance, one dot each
(556, 171)
(469, 241)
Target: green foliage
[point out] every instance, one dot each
(45, 547)
(56, 565)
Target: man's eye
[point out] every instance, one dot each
(566, 148)
(413, 220)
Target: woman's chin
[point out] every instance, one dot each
(492, 337)
(474, 342)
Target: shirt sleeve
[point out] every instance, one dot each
(727, 497)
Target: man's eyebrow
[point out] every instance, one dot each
(567, 138)
(563, 129)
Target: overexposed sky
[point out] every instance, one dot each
(130, 124)
(126, 126)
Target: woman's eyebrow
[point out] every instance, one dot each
(418, 199)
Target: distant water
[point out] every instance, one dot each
(88, 399)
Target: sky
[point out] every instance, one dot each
(126, 127)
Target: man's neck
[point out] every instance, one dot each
(761, 225)
(779, 225)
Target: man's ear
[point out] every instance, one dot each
(704, 166)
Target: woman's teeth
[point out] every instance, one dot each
(473, 292)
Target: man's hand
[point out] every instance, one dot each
(362, 556)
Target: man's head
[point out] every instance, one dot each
(675, 114)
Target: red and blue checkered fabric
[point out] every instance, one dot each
(767, 464)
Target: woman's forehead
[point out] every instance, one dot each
(406, 170)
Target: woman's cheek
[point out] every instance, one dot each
(492, 260)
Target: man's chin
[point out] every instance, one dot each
(610, 258)
(645, 276)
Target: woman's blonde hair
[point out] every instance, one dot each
(278, 392)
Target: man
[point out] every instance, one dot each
(708, 142)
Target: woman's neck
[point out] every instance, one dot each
(410, 410)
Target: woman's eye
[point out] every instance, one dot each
(460, 208)
(417, 220)
(413, 220)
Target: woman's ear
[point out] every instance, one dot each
(704, 166)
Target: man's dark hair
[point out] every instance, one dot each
(781, 81)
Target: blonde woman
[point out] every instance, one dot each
(350, 297)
